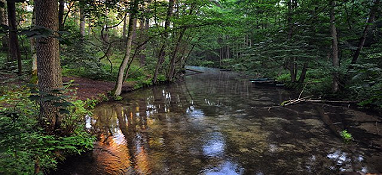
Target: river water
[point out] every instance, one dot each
(217, 122)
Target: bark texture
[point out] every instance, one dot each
(48, 61)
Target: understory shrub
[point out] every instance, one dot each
(25, 148)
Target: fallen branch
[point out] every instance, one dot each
(304, 99)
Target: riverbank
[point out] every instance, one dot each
(86, 88)
(94, 89)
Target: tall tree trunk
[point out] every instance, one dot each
(335, 59)
(124, 29)
(144, 28)
(291, 61)
(48, 60)
(34, 79)
(362, 40)
(61, 14)
(4, 22)
(162, 51)
(14, 48)
(132, 22)
(82, 20)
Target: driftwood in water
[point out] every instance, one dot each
(304, 99)
(326, 119)
(195, 72)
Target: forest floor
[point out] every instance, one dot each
(85, 88)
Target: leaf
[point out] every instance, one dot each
(64, 111)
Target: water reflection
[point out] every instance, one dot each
(214, 123)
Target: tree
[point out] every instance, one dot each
(14, 48)
(82, 19)
(48, 61)
(61, 14)
(3, 23)
(162, 51)
(362, 40)
(335, 59)
(131, 27)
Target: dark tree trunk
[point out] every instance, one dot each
(335, 59)
(4, 22)
(48, 61)
(61, 14)
(303, 72)
(14, 48)
(362, 40)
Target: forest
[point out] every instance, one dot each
(330, 49)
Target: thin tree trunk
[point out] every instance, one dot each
(144, 28)
(34, 79)
(4, 22)
(48, 60)
(171, 73)
(362, 40)
(124, 29)
(162, 53)
(82, 20)
(132, 22)
(335, 59)
(188, 56)
(303, 73)
(14, 48)
(61, 14)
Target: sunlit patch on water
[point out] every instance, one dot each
(194, 113)
(346, 161)
(215, 145)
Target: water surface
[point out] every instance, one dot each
(219, 123)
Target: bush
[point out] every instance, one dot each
(25, 147)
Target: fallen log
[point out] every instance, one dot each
(304, 99)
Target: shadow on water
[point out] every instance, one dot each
(219, 123)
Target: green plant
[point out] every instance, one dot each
(25, 147)
(346, 136)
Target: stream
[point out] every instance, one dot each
(218, 122)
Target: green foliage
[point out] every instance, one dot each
(24, 144)
(366, 84)
(346, 136)
(283, 77)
